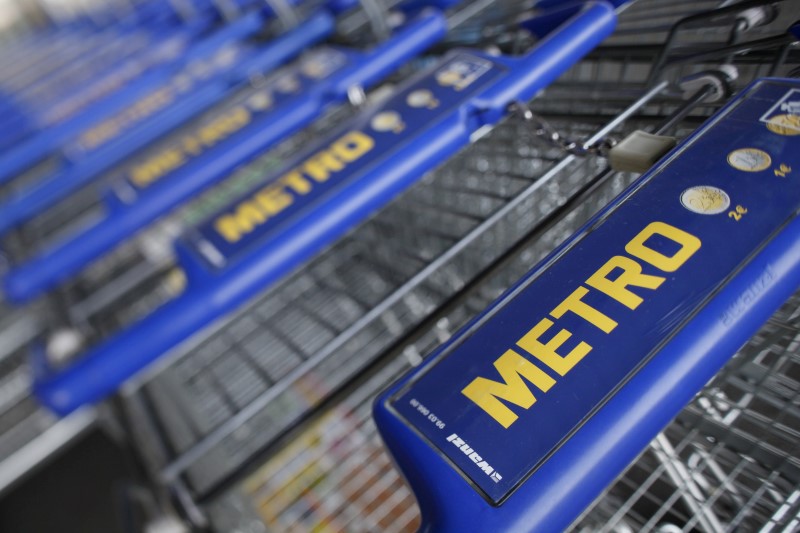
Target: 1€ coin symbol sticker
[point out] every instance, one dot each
(705, 200)
(422, 98)
(749, 159)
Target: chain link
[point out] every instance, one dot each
(543, 129)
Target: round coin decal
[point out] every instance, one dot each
(388, 121)
(422, 98)
(749, 159)
(705, 200)
(784, 124)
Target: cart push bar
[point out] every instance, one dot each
(97, 146)
(155, 114)
(30, 105)
(521, 419)
(173, 44)
(289, 102)
(295, 213)
(72, 114)
(158, 21)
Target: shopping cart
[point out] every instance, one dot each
(317, 196)
(400, 285)
(29, 434)
(602, 372)
(157, 280)
(207, 150)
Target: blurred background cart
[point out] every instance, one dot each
(263, 424)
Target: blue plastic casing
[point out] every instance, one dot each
(199, 75)
(522, 418)
(291, 100)
(323, 193)
(184, 96)
(39, 145)
(110, 81)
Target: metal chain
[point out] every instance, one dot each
(543, 129)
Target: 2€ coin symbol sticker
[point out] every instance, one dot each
(705, 200)
(784, 124)
(260, 101)
(422, 98)
(388, 121)
(749, 159)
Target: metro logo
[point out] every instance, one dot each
(612, 279)
(271, 200)
(192, 145)
(114, 126)
(512, 368)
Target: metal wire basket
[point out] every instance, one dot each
(729, 461)
(29, 434)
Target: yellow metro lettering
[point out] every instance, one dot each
(244, 220)
(612, 279)
(322, 165)
(638, 248)
(111, 127)
(575, 304)
(352, 146)
(546, 352)
(296, 182)
(151, 170)
(209, 134)
(512, 368)
(191, 145)
(273, 199)
(224, 126)
(630, 275)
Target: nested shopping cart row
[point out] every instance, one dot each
(71, 322)
(229, 397)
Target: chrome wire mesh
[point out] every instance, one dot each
(29, 434)
(729, 461)
(22, 420)
(637, 55)
(17, 406)
(341, 456)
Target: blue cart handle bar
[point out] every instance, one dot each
(27, 203)
(520, 420)
(287, 114)
(38, 146)
(323, 194)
